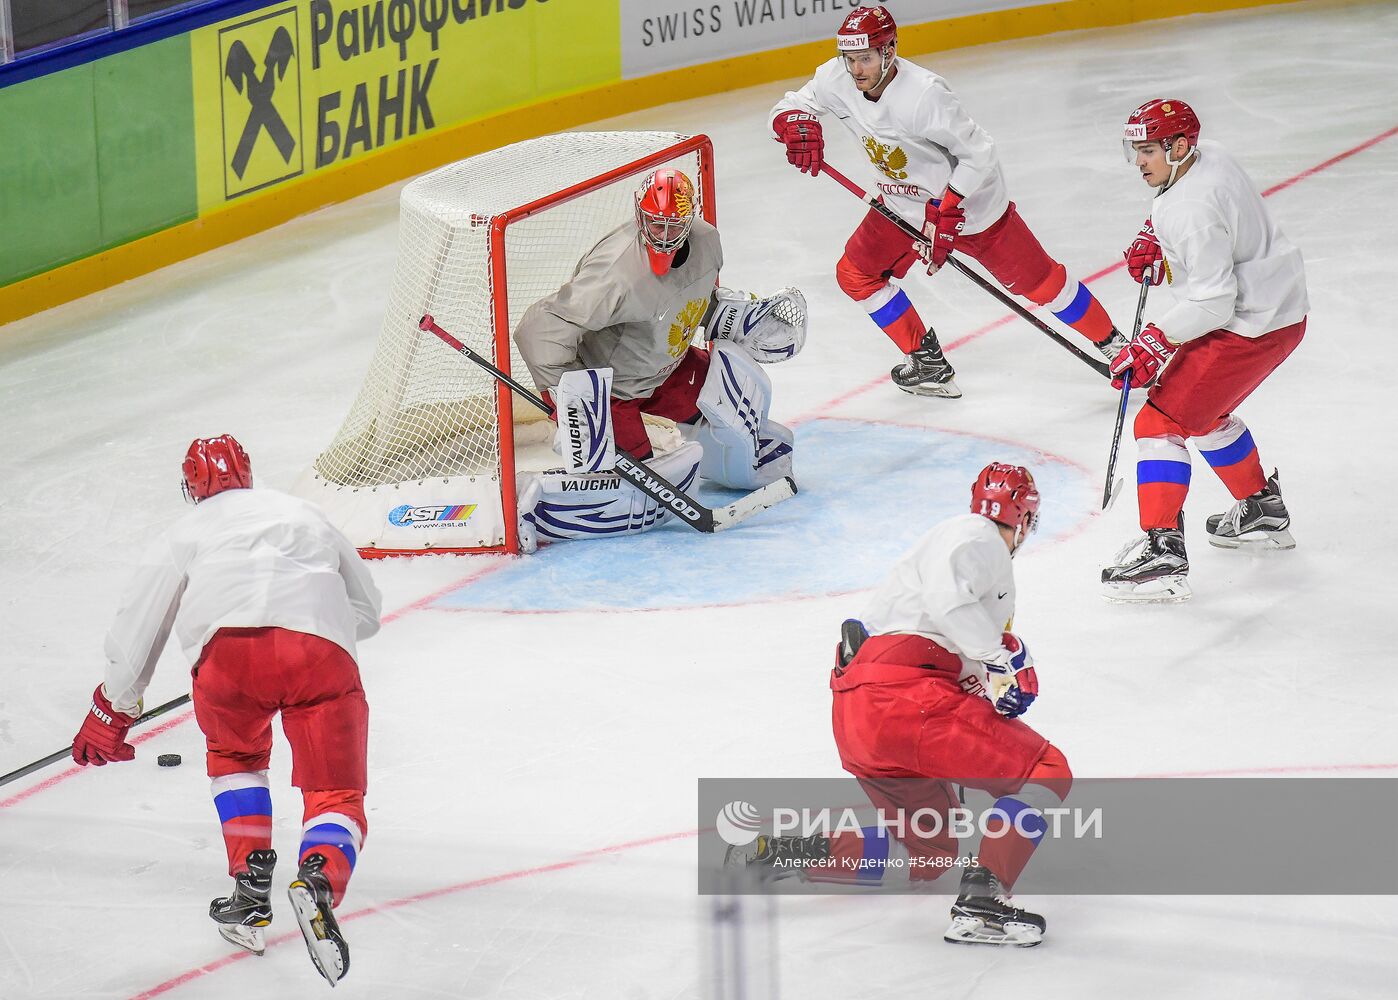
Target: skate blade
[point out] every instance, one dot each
(942, 390)
(1163, 590)
(325, 952)
(1256, 541)
(970, 930)
(253, 939)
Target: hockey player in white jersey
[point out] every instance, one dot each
(929, 692)
(268, 601)
(1239, 309)
(616, 343)
(939, 171)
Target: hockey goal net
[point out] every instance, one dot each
(427, 457)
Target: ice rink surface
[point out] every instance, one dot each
(538, 724)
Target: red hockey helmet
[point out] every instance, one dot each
(1007, 495)
(213, 465)
(1160, 121)
(665, 205)
(866, 28)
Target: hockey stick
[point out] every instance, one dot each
(67, 751)
(1111, 488)
(640, 475)
(914, 234)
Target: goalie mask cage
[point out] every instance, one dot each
(426, 459)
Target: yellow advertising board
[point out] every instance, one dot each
(291, 90)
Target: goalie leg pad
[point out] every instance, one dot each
(583, 405)
(555, 506)
(771, 329)
(742, 448)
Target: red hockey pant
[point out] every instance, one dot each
(243, 678)
(899, 715)
(1204, 382)
(879, 250)
(677, 399)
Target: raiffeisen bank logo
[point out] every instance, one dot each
(261, 101)
(739, 823)
(430, 516)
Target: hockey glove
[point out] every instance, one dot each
(805, 142)
(944, 224)
(1143, 358)
(1013, 683)
(102, 737)
(1144, 257)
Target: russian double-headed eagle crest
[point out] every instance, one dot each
(686, 324)
(890, 161)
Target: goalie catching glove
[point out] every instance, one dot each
(1013, 683)
(771, 329)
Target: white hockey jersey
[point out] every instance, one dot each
(1229, 265)
(957, 588)
(615, 312)
(917, 138)
(240, 559)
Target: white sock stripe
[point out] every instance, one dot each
(1065, 298)
(243, 779)
(1167, 449)
(879, 299)
(1232, 429)
(339, 819)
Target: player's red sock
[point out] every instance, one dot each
(244, 804)
(1162, 469)
(1231, 453)
(1011, 838)
(887, 305)
(334, 828)
(1070, 301)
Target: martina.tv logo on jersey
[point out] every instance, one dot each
(431, 515)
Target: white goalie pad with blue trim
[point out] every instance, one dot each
(582, 403)
(742, 448)
(554, 506)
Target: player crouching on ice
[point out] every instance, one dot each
(927, 692)
(614, 344)
(1240, 310)
(267, 600)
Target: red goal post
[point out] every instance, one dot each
(426, 461)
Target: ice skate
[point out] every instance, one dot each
(1151, 569)
(1112, 346)
(242, 916)
(927, 372)
(312, 900)
(1259, 522)
(983, 914)
(771, 859)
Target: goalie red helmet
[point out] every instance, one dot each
(213, 465)
(866, 28)
(1007, 495)
(1160, 121)
(665, 207)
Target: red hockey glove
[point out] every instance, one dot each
(1144, 257)
(944, 224)
(1013, 683)
(103, 735)
(805, 142)
(1144, 358)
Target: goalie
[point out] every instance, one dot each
(615, 344)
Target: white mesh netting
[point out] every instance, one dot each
(424, 410)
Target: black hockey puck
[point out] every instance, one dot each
(169, 760)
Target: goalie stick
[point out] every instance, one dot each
(636, 472)
(67, 751)
(1112, 487)
(917, 236)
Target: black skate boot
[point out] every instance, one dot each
(1257, 522)
(774, 858)
(1157, 573)
(927, 372)
(311, 897)
(1112, 346)
(242, 916)
(983, 914)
